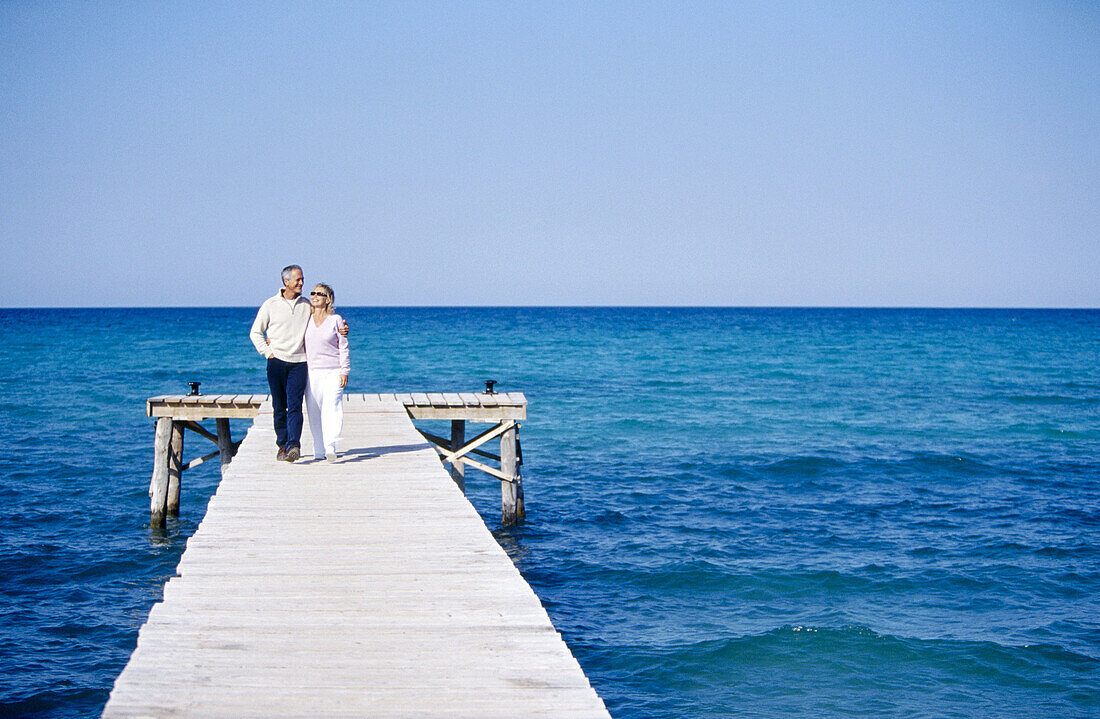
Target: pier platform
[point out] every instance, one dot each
(363, 587)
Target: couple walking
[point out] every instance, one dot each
(306, 346)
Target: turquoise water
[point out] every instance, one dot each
(730, 512)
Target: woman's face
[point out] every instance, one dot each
(318, 298)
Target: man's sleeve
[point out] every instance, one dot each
(345, 352)
(259, 326)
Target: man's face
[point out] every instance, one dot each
(294, 284)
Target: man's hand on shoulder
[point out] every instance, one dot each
(343, 329)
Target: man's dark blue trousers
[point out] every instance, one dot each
(287, 381)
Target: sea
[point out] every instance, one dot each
(730, 512)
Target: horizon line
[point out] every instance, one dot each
(582, 306)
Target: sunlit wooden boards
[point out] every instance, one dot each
(365, 587)
(475, 407)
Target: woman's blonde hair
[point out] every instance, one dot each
(331, 297)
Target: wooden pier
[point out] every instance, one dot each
(176, 413)
(365, 587)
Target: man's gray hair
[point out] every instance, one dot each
(287, 270)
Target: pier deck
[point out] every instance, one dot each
(365, 587)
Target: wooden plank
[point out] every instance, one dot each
(184, 407)
(199, 413)
(421, 399)
(453, 399)
(473, 414)
(503, 399)
(437, 399)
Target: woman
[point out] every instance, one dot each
(329, 362)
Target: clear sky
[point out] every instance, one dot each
(551, 153)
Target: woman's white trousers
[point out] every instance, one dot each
(325, 407)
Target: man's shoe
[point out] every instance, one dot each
(281, 455)
(293, 454)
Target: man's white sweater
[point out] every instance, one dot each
(284, 322)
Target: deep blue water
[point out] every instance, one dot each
(731, 512)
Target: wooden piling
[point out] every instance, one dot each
(225, 442)
(175, 470)
(158, 487)
(458, 438)
(511, 492)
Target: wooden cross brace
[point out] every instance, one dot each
(199, 429)
(451, 456)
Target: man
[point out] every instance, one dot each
(283, 319)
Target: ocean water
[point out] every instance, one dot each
(731, 512)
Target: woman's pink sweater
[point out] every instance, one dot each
(325, 347)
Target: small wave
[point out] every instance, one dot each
(1082, 551)
(610, 516)
(1027, 398)
(837, 666)
(711, 577)
(822, 467)
(871, 644)
(43, 703)
(1048, 430)
(1045, 399)
(954, 464)
(653, 383)
(803, 466)
(1081, 385)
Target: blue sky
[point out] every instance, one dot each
(824, 154)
